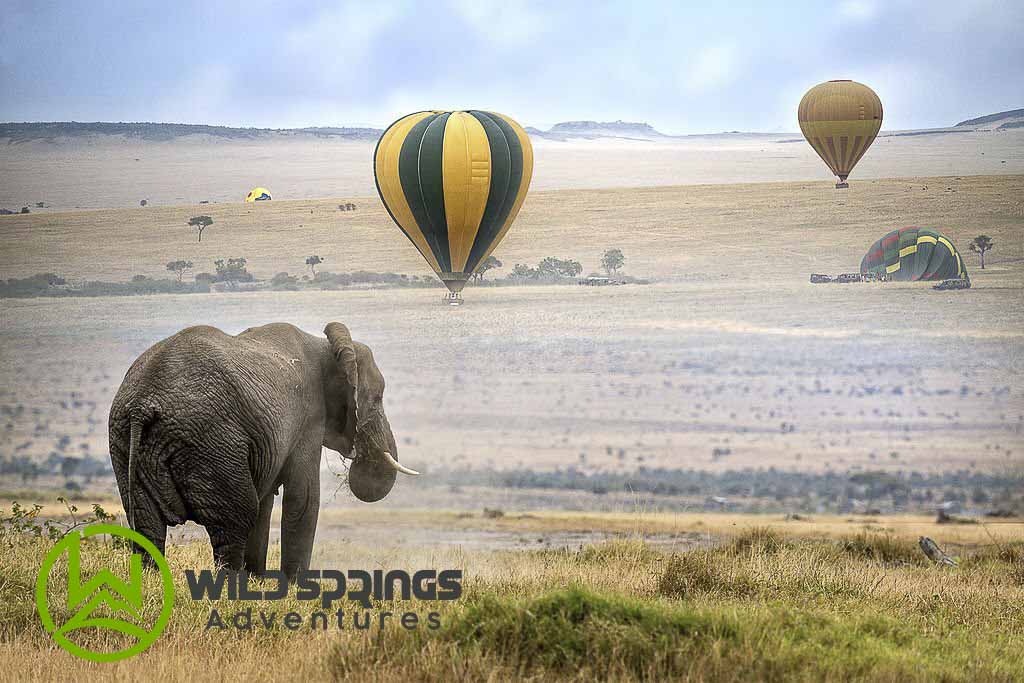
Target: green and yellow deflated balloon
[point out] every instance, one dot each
(453, 182)
(914, 254)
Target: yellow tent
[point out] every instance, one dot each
(258, 194)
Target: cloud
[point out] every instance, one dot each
(681, 67)
(512, 23)
(204, 96)
(713, 67)
(341, 41)
(858, 10)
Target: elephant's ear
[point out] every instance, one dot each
(341, 347)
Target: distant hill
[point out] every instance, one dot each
(159, 132)
(162, 132)
(589, 130)
(15, 133)
(1008, 119)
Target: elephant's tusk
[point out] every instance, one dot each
(400, 468)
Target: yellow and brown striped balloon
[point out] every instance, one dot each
(453, 182)
(840, 119)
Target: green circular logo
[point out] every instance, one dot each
(119, 601)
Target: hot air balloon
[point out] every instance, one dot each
(840, 119)
(258, 194)
(914, 254)
(453, 182)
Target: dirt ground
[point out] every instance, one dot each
(109, 172)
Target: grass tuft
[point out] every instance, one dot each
(759, 540)
(883, 548)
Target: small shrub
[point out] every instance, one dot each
(284, 282)
(25, 523)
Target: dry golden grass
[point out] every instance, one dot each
(763, 606)
(771, 231)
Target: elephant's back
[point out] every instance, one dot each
(202, 371)
(192, 362)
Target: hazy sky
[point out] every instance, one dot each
(683, 67)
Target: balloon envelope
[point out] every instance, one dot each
(453, 182)
(840, 119)
(258, 194)
(914, 254)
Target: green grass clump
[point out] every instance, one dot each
(575, 629)
(578, 634)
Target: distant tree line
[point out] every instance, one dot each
(232, 273)
(771, 489)
(29, 469)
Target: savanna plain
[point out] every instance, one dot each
(719, 475)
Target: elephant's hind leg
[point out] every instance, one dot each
(221, 496)
(300, 509)
(259, 538)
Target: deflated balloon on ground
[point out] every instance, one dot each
(914, 254)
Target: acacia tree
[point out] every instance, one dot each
(551, 267)
(979, 245)
(179, 267)
(522, 271)
(232, 271)
(200, 223)
(612, 260)
(313, 261)
(488, 264)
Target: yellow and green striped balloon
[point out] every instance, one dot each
(453, 182)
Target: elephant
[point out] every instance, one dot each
(209, 427)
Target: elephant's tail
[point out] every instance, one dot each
(137, 420)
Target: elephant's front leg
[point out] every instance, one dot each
(300, 509)
(259, 538)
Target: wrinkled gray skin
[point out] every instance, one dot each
(222, 422)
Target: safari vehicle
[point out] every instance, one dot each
(599, 281)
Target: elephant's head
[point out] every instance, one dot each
(356, 425)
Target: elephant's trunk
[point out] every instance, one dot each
(375, 468)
